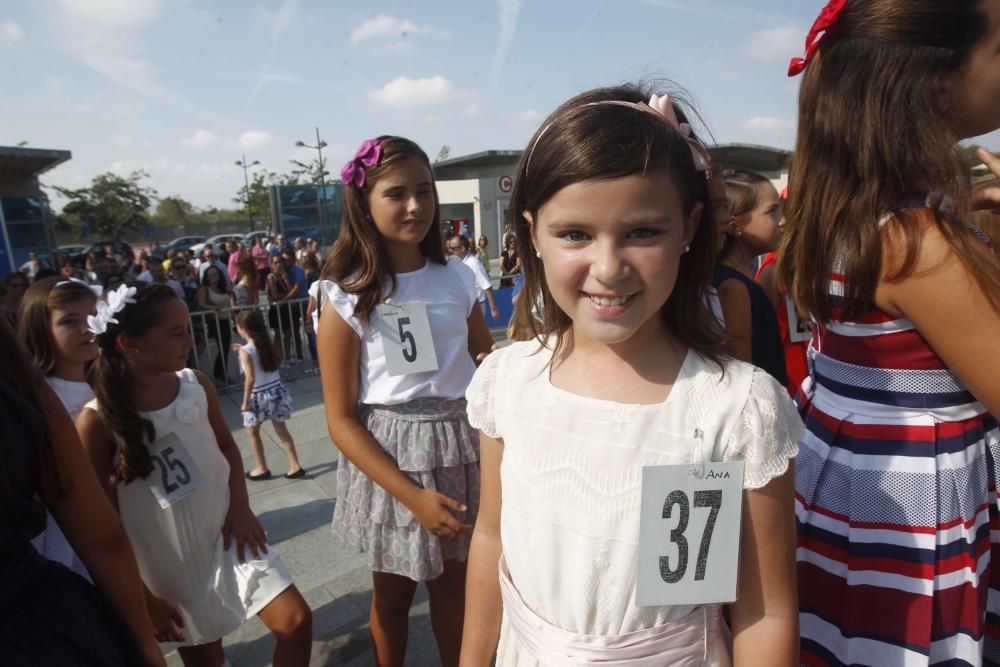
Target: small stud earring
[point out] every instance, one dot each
(687, 248)
(538, 254)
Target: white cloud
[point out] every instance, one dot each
(775, 45)
(117, 13)
(384, 25)
(472, 110)
(767, 124)
(253, 139)
(529, 115)
(405, 93)
(11, 33)
(509, 9)
(201, 139)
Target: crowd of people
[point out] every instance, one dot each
(683, 334)
(211, 282)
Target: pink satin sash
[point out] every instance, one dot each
(681, 643)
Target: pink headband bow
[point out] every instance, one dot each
(826, 20)
(368, 155)
(663, 109)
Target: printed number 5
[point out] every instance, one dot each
(712, 499)
(165, 464)
(406, 337)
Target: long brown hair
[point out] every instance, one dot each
(580, 143)
(19, 385)
(359, 262)
(35, 312)
(252, 322)
(111, 378)
(874, 129)
(246, 267)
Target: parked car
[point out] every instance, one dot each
(216, 242)
(70, 250)
(249, 238)
(119, 248)
(185, 242)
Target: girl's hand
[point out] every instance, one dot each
(167, 621)
(243, 526)
(988, 199)
(431, 509)
(151, 654)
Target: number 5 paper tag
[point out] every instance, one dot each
(175, 474)
(406, 338)
(689, 534)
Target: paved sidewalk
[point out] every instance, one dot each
(296, 515)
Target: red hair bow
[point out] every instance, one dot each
(826, 20)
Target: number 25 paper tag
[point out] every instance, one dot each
(175, 474)
(406, 338)
(689, 534)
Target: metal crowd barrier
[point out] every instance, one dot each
(214, 334)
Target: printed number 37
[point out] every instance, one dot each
(712, 499)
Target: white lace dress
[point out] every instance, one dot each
(571, 478)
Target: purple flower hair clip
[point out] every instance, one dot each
(353, 173)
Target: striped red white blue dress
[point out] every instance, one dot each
(896, 503)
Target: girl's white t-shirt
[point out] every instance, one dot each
(449, 294)
(74, 395)
(572, 478)
(261, 378)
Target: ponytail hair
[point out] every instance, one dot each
(252, 322)
(111, 379)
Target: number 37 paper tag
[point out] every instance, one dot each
(689, 534)
(406, 338)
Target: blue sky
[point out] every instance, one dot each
(183, 88)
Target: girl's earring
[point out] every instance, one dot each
(538, 254)
(687, 248)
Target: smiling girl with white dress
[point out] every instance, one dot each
(625, 372)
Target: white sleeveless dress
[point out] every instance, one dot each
(179, 547)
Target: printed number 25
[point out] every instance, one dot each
(166, 463)
(405, 337)
(711, 499)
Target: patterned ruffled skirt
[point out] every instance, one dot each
(431, 442)
(267, 403)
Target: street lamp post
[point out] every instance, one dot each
(320, 145)
(246, 181)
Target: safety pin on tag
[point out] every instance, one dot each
(698, 472)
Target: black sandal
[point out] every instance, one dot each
(301, 472)
(259, 476)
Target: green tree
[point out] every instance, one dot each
(313, 171)
(110, 206)
(173, 211)
(260, 197)
(443, 153)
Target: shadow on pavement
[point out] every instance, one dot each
(288, 522)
